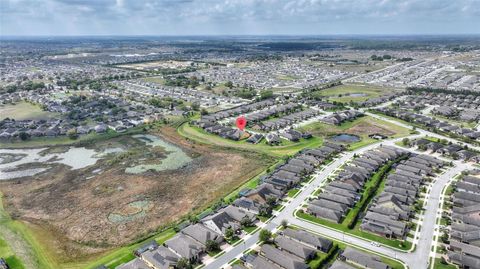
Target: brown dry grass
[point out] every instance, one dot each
(68, 210)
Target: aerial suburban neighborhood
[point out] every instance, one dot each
(239, 134)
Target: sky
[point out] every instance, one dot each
(238, 17)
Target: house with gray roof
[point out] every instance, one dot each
(136, 263)
(261, 263)
(282, 258)
(341, 265)
(202, 234)
(185, 247)
(160, 258)
(326, 213)
(363, 259)
(294, 247)
(309, 239)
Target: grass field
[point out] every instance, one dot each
(439, 265)
(159, 80)
(351, 92)
(361, 127)
(25, 111)
(368, 236)
(286, 148)
(394, 264)
(7, 253)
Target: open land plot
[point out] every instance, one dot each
(25, 111)
(81, 215)
(361, 127)
(158, 80)
(359, 68)
(286, 148)
(152, 65)
(462, 124)
(352, 92)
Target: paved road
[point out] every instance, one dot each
(421, 131)
(287, 212)
(419, 258)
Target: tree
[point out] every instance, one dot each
(266, 94)
(24, 136)
(72, 133)
(265, 210)
(265, 235)
(229, 233)
(183, 263)
(405, 141)
(271, 201)
(246, 222)
(229, 84)
(203, 111)
(284, 223)
(195, 106)
(212, 245)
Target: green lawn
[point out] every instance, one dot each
(371, 188)
(286, 148)
(439, 265)
(352, 92)
(369, 236)
(158, 79)
(250, 230)
(125, 254)
(25, 111)
(7, 253)
(361, 127)
(341, 245)
(293, 192)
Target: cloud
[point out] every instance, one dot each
(71, 17)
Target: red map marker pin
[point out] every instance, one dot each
(241, 122)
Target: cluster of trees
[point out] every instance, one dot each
(404, 59)
(94, 84)
(182, 81)
(26, 86)
(417, 90)
(247, 93)
(166, 102)
(380, 58)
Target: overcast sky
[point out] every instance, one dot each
(238, 17)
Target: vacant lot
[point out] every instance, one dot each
(159, 80)
(81, 214)
(24, 111)
(362, 127)
(351, 92)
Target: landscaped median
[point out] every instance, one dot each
(351, 223)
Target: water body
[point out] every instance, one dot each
(74, 157)
(176, 158)
(345, 138)
(358, 94)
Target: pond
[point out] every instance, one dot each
(358, 94)
(345, 138)
(176, 158)
(75, 157)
